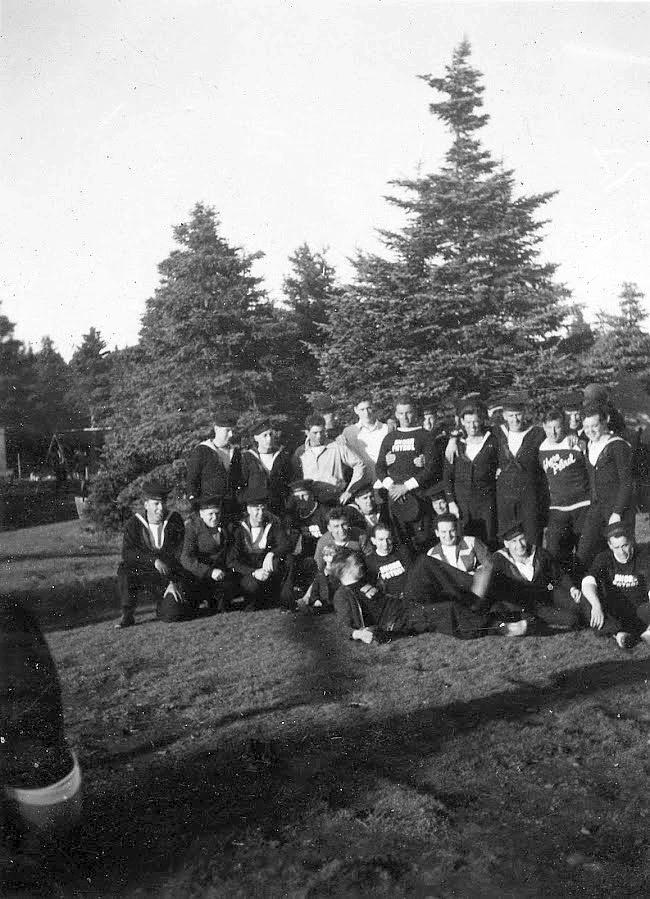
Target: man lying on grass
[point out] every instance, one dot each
(366, 614)
(616, 589)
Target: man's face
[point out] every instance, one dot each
(255, 514)
(339, 529)
(574, 419)
(405, 415)
(382, 541)
(518, 546)
(316, 434)
(154, 510)
(222, 435)
(554, 430)
(473, 425)
(365, 413)
(265, 441)
(514, 418)
(594, 427)
(622, 547)
(428, 421)
(447, 533)
(304, 499)
(365, 502)
(211, 516)
(440, 505)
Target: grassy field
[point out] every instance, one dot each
(248, 755)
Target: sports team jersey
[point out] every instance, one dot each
(390, 570)
(566, 472)
(629, 581)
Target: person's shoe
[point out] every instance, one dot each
(513, 628)
(127, 620)
(645, 636)
(623, 640)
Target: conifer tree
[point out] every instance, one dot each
(462, 300)
(209, 340)
(622, 347)
(90, 375)
(53, 384)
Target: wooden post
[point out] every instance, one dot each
(20, 470)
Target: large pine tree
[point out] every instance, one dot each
(462, 300)
(622, 347)
(209, 340)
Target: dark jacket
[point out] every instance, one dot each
(208, 476)
(510, 584)
(254, 476)
(245, 556)
(138, 550)
(522, 471)
(610, 479)
(204, 548)
(471, 481)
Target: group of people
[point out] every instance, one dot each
(497, 525)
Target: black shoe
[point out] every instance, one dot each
(127, 620)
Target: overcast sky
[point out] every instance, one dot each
(290, 118)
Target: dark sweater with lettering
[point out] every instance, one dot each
(627, 582)
(565, 468)
(407, 445)
(389, 572)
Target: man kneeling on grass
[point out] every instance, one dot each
(616, 589)
(204, 556)
(151, 550)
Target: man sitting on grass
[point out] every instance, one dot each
(340, 534)
(616, 589)
(151, 550)
(204, 556)
(363, 613)
(529, 583)
(387, 564)
(259, 556)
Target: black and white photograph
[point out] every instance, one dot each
(324, 449)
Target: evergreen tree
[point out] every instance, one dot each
(209, 340)
(18, 388)
(309, 291)
(90, 375)
(622, 347)
(53, 382)
(462, 302)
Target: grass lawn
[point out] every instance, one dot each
(248, 755)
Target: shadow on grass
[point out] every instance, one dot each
(69, 606)
(64, 557)
(207, 799)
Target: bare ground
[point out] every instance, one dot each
(257, 755)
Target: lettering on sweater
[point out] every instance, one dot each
(393, 569)
(404, 445)
(625, 581)
(556, 463)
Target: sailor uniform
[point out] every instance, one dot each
(215, 471)
(142, 545)
(609, 464)
(521, 490)
(471, 483)
(259, 547)
(269, 473)
(204, 550)
(532, 588)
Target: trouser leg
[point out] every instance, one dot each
(130, 583)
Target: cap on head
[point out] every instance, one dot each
(154, 490)
(264, 424)
(210, 502)
(360, 489)
(436, 491)
(256, 497)
(224, 418)
(617, 529)
(513, 531)
(301, 485)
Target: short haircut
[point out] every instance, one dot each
(553, 413)
(405, 399)
(314, 421)
(343, 557)
(595, 409)
(381, 526)
(338, 513)
(361, 398)
(473, 409)
(446, 516)
(619, 529)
